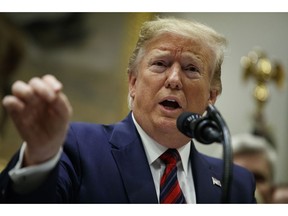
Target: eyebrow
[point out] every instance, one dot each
(161, 52)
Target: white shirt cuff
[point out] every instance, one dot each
(29, 178)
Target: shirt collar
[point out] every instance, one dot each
(154, 150)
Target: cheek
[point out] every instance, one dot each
(197, 98)
(150, 82)
(143, 88)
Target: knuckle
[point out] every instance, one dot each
(34, 80)
(49, 77)
(16, 86)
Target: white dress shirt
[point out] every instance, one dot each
(153, 151)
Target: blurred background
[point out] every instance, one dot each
(89, 53)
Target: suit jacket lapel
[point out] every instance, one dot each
(132, 163)
(207, 191)
(130, 157)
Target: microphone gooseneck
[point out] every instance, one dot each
(208, 129)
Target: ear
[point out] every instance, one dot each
(132, 84)
(213, 96)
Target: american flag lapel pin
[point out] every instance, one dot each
(216, 182)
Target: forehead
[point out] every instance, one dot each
(177, 43)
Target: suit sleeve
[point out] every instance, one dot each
(61, 184)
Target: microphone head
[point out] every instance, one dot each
(184, 121)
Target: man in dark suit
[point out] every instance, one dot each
(175, 67)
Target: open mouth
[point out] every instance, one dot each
(170, 104)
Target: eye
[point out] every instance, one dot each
(191, 68)
(158, 66)
(192, 71)
(160, 63)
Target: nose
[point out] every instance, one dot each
(173, 80)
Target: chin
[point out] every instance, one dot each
(168, 125)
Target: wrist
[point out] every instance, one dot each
(35, 156)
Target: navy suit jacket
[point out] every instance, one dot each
(107, 164)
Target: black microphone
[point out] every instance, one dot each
(208, 129)
(203, 129)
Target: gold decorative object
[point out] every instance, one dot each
(257, 66)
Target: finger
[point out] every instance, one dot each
(22, 91)
(53, 82)
(62, 106)
(42, 89)
(13, 104)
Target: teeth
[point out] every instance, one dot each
(171, 100)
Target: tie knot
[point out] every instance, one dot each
(170, 156)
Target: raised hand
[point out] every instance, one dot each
(41, 113)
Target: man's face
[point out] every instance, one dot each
(258, 164)
(173, 77)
